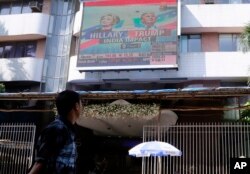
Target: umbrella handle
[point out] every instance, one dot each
(159, 164)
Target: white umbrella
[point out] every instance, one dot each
(154, 148)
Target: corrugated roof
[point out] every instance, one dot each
(137, 94)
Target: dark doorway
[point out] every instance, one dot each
(106, 155)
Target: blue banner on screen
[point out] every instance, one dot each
(128, 34)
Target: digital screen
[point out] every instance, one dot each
(128, 34)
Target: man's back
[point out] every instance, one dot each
(56, 147)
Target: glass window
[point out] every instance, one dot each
(5, 9)
(20, 50)
(1, 51)
(69, 23)
(229, 42)
(235, 1)
(246, 1)
(222, 1)
(194, 43)
(184, 44)
(191, 43)
(63, 25)
(30, 50)
(9, 51)
(54, 7)
(60, 7)
(16, 8)
(58, 21)
(26, 8)
(65, 7)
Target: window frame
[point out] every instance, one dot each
(15, 47)
(22, 5)
(186, 42)
(232, 44)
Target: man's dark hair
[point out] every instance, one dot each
(65, 101)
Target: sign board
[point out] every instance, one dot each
(128, 34)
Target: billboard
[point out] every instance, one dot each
(128, 34)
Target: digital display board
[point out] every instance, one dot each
(128, 34)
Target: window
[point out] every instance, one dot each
(18, 49)
(191, 43)
(26, 8)
(4, 9)
(30, 50)
(229, 42)
(9, 51)
(1, 51)
(16, 7)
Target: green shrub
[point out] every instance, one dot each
(245, 114)
(2, 88)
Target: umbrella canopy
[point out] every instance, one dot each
(154, 148)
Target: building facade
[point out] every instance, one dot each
(40, 40)
(39, 46)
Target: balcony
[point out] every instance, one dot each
(223, 18)
(214, 65)
(23, 26)
(21, 69)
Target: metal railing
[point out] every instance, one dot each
(206, 148)
(16, 147)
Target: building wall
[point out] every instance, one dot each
(195, 19)
(40, 48)
(214, 18)
(46, 6)
(209, 42)
(208, 20)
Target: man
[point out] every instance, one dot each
(148, 19)
(57, 153)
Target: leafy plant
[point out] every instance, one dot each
(245, 43)
(245, 114)
(2, 88)
(245, 38)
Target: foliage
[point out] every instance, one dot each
(2, 88)
(106, 110)
(245, 43)
(245, 38)
(245, 114)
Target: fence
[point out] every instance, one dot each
(16, 147)
(206, 148)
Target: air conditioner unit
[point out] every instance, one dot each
(35, 6)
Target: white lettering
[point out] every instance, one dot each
(240, 165)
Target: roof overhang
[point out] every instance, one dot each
(161, 94)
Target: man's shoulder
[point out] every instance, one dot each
(55, 126)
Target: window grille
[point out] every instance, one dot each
(206, 148)
(16, 147)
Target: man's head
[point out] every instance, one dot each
(148, 19)
(68, 102)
